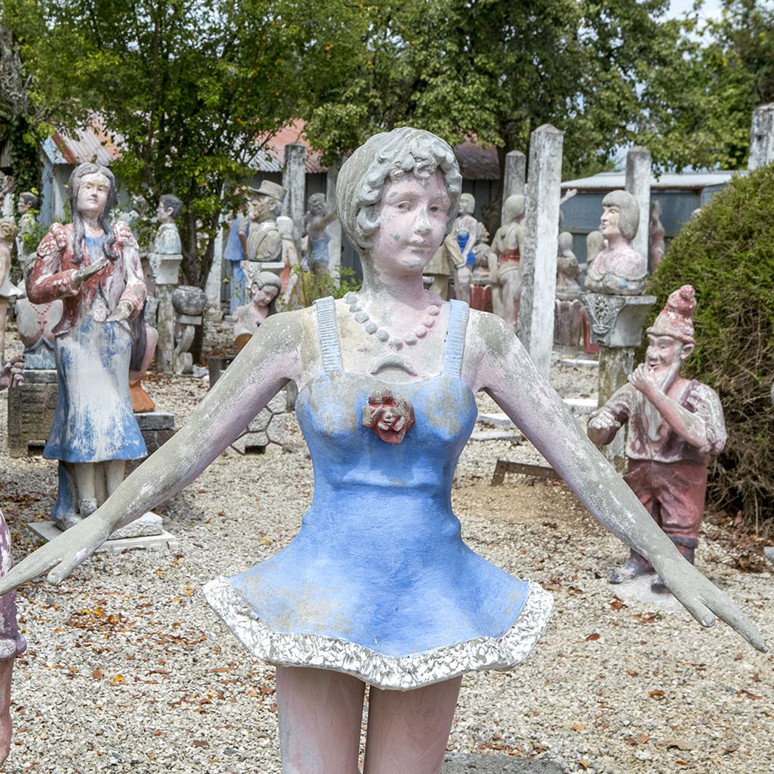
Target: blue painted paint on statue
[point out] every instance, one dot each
(234, 252)
(319, 257)
(462, 241)
(379, 559)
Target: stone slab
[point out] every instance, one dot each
(39, 375)
(155, 420)
(497, 764)
(189, 319)
(580, 406)
(497, 435)
(637, 592)
(496, 420)
(579, 362)
(768, 553)
(47, 530)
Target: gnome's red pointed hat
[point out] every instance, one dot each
(676, 318)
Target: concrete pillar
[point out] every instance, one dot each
(294, 182)
(215, 277)
(334, 229)
(514, 177)
(761, 137)
(165, 325)
(538, 261)
(638, 171)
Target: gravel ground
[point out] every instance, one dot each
(129, 670)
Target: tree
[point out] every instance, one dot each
(183, 87)
(494, 71)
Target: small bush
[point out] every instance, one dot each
(727, 253)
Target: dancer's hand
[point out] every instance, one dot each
(84, 272)
(123, 312)
(12, 374)
(60, 556)
(703, 600)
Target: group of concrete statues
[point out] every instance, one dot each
(377, 588)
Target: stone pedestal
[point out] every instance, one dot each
(165, 325)
(31, 412)
(616, 325)
(568, 322)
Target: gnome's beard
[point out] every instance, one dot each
(653, 418)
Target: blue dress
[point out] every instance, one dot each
(378, 582)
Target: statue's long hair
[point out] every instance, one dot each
(73, 185)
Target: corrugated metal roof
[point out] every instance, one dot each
(89, 145)
(608, 181)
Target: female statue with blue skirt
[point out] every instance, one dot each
(378, 587)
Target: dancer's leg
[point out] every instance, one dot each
(408, 731)
(87, 495)
(319, 720)
(114, 475)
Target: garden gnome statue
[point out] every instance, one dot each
(165, 263)
(264, 290)
(675, 425)
(618, 270)
(26, 209)
(290, 263)
(94, 267)
(7, 289)
(12, 644)
(260, 236)
(319, 216)
(656, 245)
(507, 245)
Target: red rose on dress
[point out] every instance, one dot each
(388, 416)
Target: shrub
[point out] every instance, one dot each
(727, 253)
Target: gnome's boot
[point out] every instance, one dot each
(632, 568)
(688, 551)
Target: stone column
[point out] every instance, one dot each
(294, 182)
(514, 177)
(761, 137)
(638, 172)
(538, 260)
(215, 277)
(334, 229)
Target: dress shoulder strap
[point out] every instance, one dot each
(455, 337)
(325, 308)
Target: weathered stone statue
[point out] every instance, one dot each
(12, 643)
(443, 266)
(290, 263)
(26, 209)
(189, 304)
(260, 236)
(95, 269)
(618, 269)
(484, 261)
(567, 269)
(235, 252)
(378, 587)
(568, 313)
(507, 245)
(167, 247)
(675, 425)
(248, 318)
(656, 245)
(316, 220)
(465, 227)
(145, 337)
(7, 289)
(6, 193)
(595, 244)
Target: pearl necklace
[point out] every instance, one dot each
(382, 334)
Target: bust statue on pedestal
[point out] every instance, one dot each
(259, 234)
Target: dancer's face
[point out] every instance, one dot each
(93, 194)
(414, 213)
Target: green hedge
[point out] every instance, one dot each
(727, 253)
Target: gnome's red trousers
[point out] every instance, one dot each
(673, 493)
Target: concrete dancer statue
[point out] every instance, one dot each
(26, 209)
(235, 252)
(248, 318)
(290, 264)
(12, 643)
(618, 269)
(317, 219)
(675, 425)
(507, 245)
(377, 587)
(95, 269)
(656, 244)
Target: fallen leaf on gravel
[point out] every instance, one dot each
(730, 749)
(658, 695)
(579, 727)
(592, 637)
(645, 618)
(632, 673)
(201, 743)
(97, 674)
(118, 679)
(678, 743)
(748, 694)
(644, 738)
(583, 763)
(616, 604)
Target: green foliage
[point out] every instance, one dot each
(495, 71)
(727, 253)
(312, 286)
(183, 87)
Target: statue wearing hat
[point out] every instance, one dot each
(259, 234)
(675, 426)
(618, 269)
